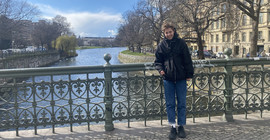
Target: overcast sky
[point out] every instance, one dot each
(88, 18)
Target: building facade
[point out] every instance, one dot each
(234, 31)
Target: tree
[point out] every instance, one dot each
(66, 45)
(138, 28)
(195, 16)
(62, 25)
(45, 31)
(80, 41)
(124, 38)
(43, 34)
(5, 33)
(126, 32)
(155, 12)
(11, 13)
(252, 8)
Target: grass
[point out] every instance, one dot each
(128, 52)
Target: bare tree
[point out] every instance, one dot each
(134, 31)
(252, 8)
(63, 26)
(11, 13)
(44, 33)
(5, 32)
(155, 12)
(124, 38)
(195, 16)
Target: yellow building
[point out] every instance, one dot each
(234, 31)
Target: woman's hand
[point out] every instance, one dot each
(162, 73)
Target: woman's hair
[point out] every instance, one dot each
(167, 25)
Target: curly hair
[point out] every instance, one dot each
(167, 25)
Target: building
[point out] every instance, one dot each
(234, 31)
(97, 41)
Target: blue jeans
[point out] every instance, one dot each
(178, 88)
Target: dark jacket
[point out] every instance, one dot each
(173, 57)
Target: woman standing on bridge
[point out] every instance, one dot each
(173, 61)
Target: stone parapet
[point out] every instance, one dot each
(30, 61)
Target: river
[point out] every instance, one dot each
(87, 57)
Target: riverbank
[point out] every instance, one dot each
(30, 60)
(129, 58)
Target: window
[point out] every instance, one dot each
(261, 18)
(236, 36)
(268, 15)
(212, 38)
(223, 23)
(223, 37)
(244, 51)
(236, 50)
(244, 37)
(224, 7)
(260, 35)
(212, 25)
(250, 35)
(217, 26)
(217, 11)
(269, 36)
(217, 38)
(228, 37)
(213, 49)
(244, 20)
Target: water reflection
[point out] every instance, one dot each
(86, 57)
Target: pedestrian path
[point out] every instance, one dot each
(253, 128)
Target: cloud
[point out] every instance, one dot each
(113, 32)
(87, 24)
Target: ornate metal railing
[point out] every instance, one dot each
(48, 97)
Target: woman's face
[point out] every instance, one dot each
(169, 33)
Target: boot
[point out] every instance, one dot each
(173, 134)
(181, 132)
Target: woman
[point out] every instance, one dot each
(173, 61)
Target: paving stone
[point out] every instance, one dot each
(253, 128)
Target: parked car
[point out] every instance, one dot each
(220, 55)
(209, 54)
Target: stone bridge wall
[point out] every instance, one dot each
(29, 61)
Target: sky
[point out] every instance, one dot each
(88, 18)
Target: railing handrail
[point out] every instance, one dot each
(23, 72)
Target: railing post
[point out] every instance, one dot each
(108, 99)
(228, 92)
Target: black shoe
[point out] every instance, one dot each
(181, 132)
(173, 134)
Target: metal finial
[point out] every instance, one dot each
(107, 58)
(228, 52)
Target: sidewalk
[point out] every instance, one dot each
(253, 128)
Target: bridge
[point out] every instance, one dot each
(56, 98)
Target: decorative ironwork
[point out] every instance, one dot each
(222, 86)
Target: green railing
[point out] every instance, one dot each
(35, 98)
